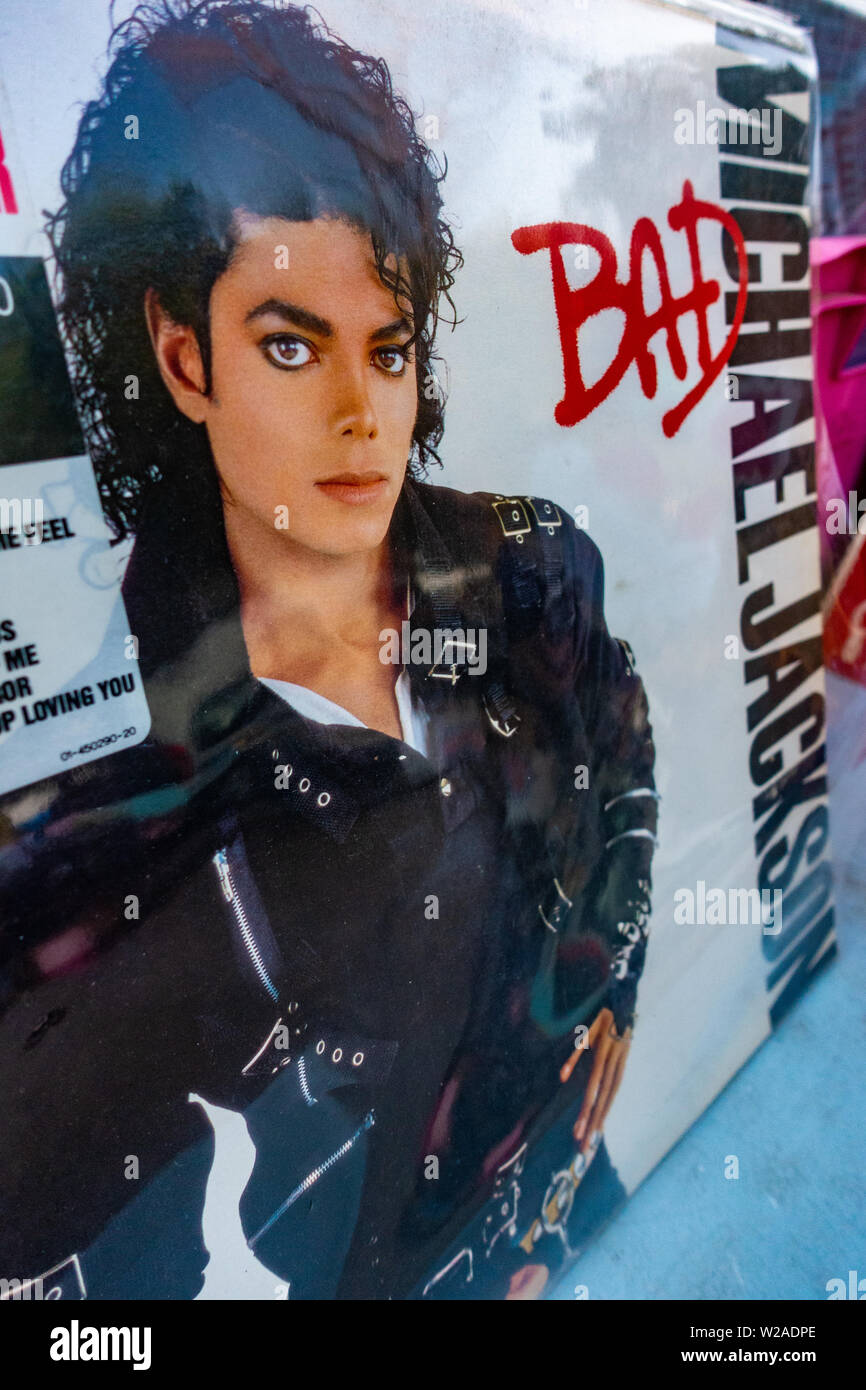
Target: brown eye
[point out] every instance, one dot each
(287, 352)
(392, 359)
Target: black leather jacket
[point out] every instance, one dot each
(237, 911)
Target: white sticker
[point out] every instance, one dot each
(70, 686)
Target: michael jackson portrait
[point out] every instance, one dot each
(355, 934)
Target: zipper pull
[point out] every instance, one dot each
(220, 859)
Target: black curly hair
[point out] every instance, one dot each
(247, 104)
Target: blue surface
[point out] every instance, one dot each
(795, 1117)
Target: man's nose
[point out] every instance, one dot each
(355, 413)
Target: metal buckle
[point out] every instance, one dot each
(62, 1281)
(452, 675)
(548, 516)
(262, 1061)
(557, 909)
(513, 518)
(446, 1269)
(505, 727)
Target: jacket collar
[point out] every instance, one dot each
(183, 604)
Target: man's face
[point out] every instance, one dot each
(314, 394)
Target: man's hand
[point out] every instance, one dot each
(609, 1052)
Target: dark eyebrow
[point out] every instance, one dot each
(390, 330)
(303, 318)
(292, 313)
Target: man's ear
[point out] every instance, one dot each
(179, 359)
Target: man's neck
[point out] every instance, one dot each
(291, 589)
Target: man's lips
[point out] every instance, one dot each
(354, 488)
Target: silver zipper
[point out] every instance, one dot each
(232, 896)
(313, 1177)
(304, 1083)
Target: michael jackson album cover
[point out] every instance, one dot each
(412, 777)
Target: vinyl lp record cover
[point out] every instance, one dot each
(412, 777)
